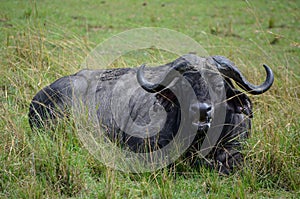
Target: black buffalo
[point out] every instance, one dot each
(161, 90)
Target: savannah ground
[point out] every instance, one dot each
(44, 40)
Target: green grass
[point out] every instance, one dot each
(44, 40)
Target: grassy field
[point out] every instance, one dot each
(44, 40)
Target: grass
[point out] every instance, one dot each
(42, 41)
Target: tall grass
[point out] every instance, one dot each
(54, 163)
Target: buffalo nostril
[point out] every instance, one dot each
(204, 108)
(205, 111)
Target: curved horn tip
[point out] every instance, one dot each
(268, 82)
(268, 69)
(148, 86)
(142, 66)
(140, 74)
(270, 75)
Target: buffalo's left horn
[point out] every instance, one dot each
(228, 69)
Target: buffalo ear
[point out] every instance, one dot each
(167, 99)
(239, 102)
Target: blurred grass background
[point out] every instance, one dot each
(44, 40)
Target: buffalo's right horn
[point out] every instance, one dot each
(180, 67)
